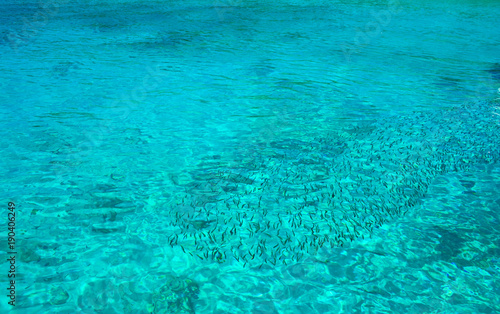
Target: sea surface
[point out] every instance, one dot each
(231, 156)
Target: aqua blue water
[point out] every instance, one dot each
(251, 156)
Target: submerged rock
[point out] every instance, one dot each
(176, 296)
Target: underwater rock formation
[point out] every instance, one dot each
(176, 296)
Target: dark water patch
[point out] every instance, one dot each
(64, 68)
(494, 71)
(450, 243)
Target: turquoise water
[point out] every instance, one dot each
(252, 157)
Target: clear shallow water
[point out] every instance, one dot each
(253, 157)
